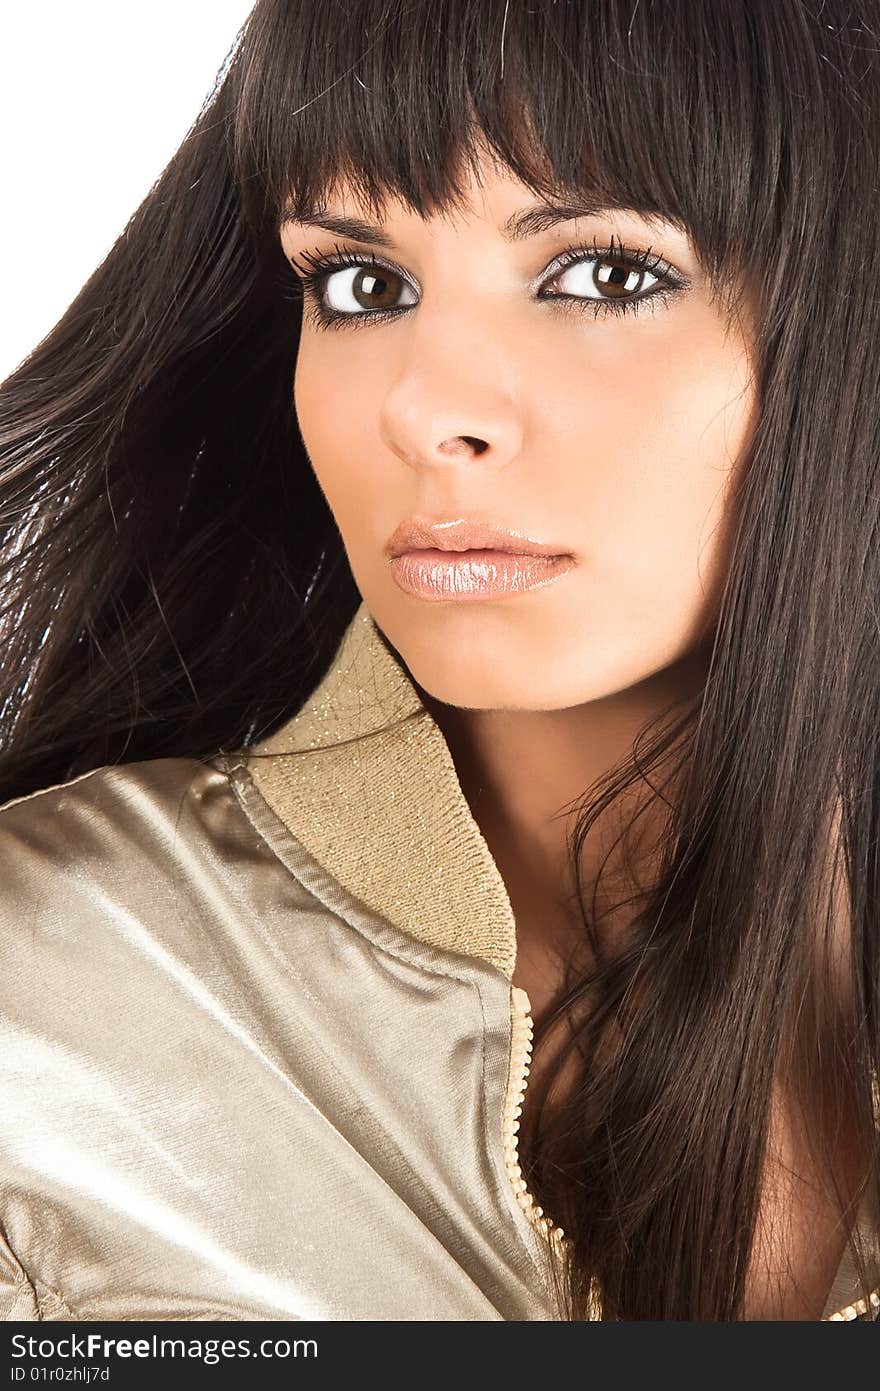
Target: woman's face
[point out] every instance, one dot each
(611, 436)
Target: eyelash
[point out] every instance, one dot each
(670, 283)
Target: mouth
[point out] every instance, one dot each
(476, 574)
(467, 537)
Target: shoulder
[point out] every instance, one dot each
(121, 892)
(157, 778)
(100, 816)
(140, 842)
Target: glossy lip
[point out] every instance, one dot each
(464, 534)
(474, 575)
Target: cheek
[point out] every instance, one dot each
(647, 439)
(337, 429)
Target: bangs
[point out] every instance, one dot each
(693, 113)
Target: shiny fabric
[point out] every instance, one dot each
(229, 1092)
(256, 1032)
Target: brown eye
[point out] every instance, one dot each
(363, 287)
(609, 277)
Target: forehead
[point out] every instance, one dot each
(478, 184)
(492, 193)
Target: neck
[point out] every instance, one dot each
(524, 774)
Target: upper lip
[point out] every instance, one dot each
(464, 535)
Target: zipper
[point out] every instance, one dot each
(857, 1310)
(521, 1031)
(521, 1034)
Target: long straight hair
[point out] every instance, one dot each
(173, 582)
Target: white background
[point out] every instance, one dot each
(95, 97)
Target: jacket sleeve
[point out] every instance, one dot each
(92, 872)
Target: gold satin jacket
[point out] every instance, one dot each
(262, 1056)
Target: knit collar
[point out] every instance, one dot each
(366, 782)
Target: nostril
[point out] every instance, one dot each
(453, 444)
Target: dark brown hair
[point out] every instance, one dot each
(172, 580)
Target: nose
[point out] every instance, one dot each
(435, 420)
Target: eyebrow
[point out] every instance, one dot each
(528, 222)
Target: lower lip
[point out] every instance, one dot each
(474, 575)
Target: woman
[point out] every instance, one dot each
(308, 825)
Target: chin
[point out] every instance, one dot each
(503, 657)
(494, 690)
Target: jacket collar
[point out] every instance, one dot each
(363, 777)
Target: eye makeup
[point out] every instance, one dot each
(621, 265)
